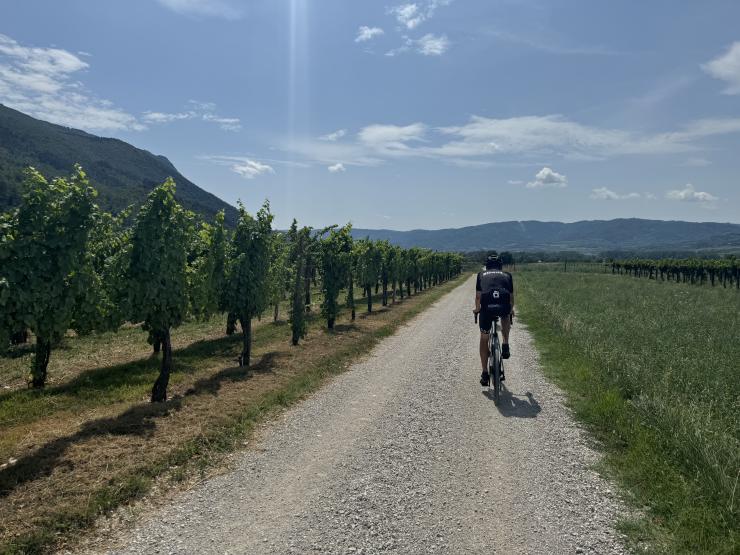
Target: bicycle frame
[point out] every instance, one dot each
(495, 362)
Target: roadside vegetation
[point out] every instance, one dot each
(652, 370)
(120, 361)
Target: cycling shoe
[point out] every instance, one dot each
(505, 352)
(484, 379)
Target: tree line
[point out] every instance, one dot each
(65, 264)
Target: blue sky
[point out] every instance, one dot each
(433, 113)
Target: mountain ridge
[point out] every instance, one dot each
(582, 235)
(122, 173)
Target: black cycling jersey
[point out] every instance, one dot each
(488, 280)
(496, 288)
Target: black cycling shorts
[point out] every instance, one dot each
(485, 317)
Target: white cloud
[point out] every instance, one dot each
(248, 168)
(481, 141)
(411, 15)
(207, 8)
(391, 138)
(428, 45)
(40, 82)
(602, 193)
(689, 194)
(204, 111)
(336, 168)
(515, 182)
(408, 15)
(335, 136)
(227, 124)
(727, 68)
(162, 117)
(431, 45)
(547, 178)
(366, 33)
(555, 135)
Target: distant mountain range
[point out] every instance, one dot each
(122, 173)
(586, 236)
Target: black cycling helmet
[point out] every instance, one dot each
(493, 260)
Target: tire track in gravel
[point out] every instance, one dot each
(405, 453)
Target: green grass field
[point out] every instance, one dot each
(653, 369)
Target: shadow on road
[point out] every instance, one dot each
(515, 405)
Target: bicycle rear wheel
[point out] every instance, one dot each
(495, 370)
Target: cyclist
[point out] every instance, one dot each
(493, 288)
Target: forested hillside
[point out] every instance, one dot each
(121, 173)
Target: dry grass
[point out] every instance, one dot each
(91, 441)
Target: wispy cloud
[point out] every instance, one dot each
(690, 194)
(556, 135)
(204, 111)
(697, 162)
(667, 87)
(337, 168)
(603, 193)
(547, 178)
(428, 45)
(227, 124)
(482, 142)
(365, 33)
(335, 136)
(390, 139)
(549, 45)
(247, 168)
(250, 169)
(204, 8)
(41, 82)
(432, 45)
(726, 67)
(162, 117)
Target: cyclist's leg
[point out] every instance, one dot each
(484, 351)
(484, 323)
(505, 327)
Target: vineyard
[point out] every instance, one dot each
(688, 270)
(67, 265)
(696, 271)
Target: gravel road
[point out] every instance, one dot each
(405, 453)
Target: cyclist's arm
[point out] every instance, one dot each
(477, 294)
